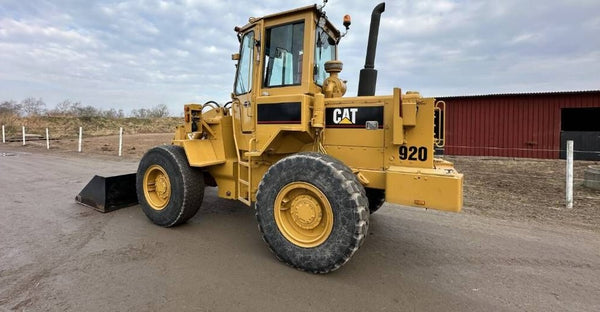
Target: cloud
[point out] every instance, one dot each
(138, 53)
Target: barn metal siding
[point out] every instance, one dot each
(510, 125)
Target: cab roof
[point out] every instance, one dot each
(253, 20)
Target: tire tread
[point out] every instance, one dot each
(350, 186)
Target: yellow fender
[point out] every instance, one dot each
(202, 153)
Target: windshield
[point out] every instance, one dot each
(324, 51)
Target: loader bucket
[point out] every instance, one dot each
(106, 194)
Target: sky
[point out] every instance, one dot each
(134, 54)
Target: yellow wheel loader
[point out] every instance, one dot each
(314, 163)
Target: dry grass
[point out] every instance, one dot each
(68, 127)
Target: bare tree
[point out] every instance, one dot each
(76, 109)
(112, 113)
(10, 108)
(140, 113)
(63, 108)
(160, 110)
(33, 107)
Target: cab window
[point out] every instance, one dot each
(325, 49)
(283, 55)
(243, 81)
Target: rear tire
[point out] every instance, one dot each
(376, 199)
(168, 189)
(312, 212)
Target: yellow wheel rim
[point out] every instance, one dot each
(157, 187)
(303, 214)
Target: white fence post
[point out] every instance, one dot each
(23, 135)
(47, 139)
(3, 136)
(569, 174)
(120, 141)
(80, 135)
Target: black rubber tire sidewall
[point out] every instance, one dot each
(187, 185)
(346, 197)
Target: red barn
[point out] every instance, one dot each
(532, 125)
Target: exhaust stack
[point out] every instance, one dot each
(368, 75)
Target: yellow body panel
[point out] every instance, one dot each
(354, 137)
(428, 188)
(375, 178)
(201, 153)
(357, 157)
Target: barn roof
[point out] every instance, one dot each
(582, 92)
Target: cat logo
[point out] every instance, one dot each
(344, 116)
(368, 117)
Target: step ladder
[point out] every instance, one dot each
(244, 165)
(244, 183)
(244, 172)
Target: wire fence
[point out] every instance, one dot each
(26, 138)
(495, 148)
(522, 176)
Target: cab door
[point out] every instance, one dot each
(244, 101)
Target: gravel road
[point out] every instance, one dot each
(56, 255)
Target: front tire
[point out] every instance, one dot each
(312, 212)
(168, 189)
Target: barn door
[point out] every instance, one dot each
(582, 127)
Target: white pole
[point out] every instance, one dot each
(3, 136)
(569, 174)
(23, 135)
(120, 141)
(47, 139)
(80, 135)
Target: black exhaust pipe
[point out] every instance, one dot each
(368, 75)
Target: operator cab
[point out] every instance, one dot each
(280, 63)
(293, 43)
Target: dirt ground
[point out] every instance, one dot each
(504, 188)
(513, 248)
(134, 145)
(56, 255)
(528, 189)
